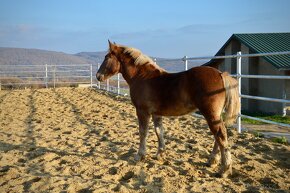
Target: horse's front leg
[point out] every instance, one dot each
(159, 132)
(143, 119)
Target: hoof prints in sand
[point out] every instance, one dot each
(82, 140)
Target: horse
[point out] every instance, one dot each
(155, 93)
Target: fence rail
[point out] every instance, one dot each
(51, 74)
(45, 74)
(239, 77)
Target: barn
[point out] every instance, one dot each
(251, 43)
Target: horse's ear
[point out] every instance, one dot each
(113, 47)
(110, 44)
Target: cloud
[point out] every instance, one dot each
(43, 37)
(143, 34)
(200, 28)
(14, 35)
(187, 39)
(170, 32)
(18, 30)
(24, 28)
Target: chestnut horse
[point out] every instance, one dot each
(155, 92)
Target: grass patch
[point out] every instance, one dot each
(258, 134)
(253, 122)
(276, 118)
(281, 140)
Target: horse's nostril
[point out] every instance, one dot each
(99, 77)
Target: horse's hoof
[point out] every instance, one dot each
(138, 157)
(213, 162)
(218, 175)
(225, 172)
(159, 155)
(222, 175)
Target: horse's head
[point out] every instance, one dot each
(111, 65)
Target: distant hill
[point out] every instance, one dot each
(167, 64)
(93, 57)
(23, 56)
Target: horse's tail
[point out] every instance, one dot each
(232, 102)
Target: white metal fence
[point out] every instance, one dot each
(52, 76)
(239, 77)
(45, 75)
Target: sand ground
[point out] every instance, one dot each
(83, 140)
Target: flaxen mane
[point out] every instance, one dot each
(139, 57)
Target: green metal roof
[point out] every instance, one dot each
(263, 43)
(268, 42)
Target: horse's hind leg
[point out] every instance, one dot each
(219, 130)
(159, 132)
(143, 119)
(214, 156)
(222, 140)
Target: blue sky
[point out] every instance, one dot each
(160, 28)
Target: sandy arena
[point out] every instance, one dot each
(83, 140)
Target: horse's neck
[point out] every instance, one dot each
(132, 72)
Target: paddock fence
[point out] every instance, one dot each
(239, 77)
(51, 76)
(23, 76)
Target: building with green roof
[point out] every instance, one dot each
(265, 65)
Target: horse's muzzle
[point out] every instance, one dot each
(100, 77)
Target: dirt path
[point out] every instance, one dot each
(82, 140)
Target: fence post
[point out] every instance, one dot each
(185, 62)
(99, 83)
(108, 85)
(54, 76)
(91, 69)
(284, 104)
(239, 73)
(118, 84)
(46, 77)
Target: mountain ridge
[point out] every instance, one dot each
(32, 56)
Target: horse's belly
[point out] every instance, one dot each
(175, 110)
